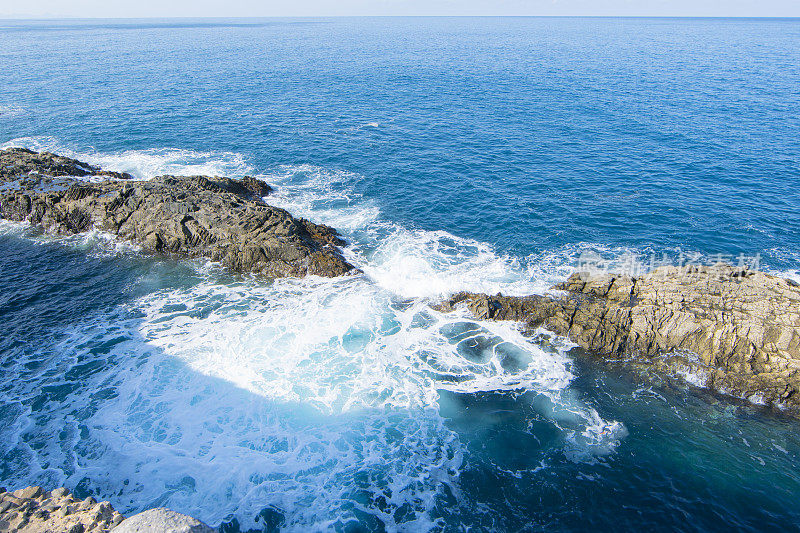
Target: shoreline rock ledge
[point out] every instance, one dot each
(221, 219)
(733, 330)
(34, 510)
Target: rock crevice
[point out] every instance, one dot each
(738, 328)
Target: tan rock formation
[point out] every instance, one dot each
(739, 329)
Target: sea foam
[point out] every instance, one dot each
(147, 163)
(311, 398)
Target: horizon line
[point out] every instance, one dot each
(253, 17)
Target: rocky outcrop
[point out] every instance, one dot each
(220, 219)
(161, 520)
(33, 510)
(736, 330)
(15, 162)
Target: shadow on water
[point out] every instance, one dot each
(107, 413)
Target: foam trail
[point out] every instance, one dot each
(219, 399)
(146, 164)
(408, 262)
(419, 263)
(316, 397)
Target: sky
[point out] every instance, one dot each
(303, 8)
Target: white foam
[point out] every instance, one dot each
(147, 163)
(99, 243)
(693, 375)
(793, 274)
(302, 394)
(94, 242)
(17, 229)
(785, 257)
(315, 395)
(410, 262)
(420, 263)
(264, 340)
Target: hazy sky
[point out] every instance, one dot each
(267, 8)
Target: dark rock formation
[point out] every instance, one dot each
(16, 162)
(221, 219)
(738, 330)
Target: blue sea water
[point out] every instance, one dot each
(477, 153)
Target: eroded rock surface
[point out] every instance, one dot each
(161, 520)
(736, 330)
(33, 510)
(16, 162)
(221, 219)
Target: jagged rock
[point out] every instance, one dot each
(738, 329)
(31, 492)
(161, 520)
(32, 510)
(21, 161)
(221, 219)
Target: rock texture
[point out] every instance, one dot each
(33, 510)
(221, 219)
(736, 330)
(161, 520)
(16, 162)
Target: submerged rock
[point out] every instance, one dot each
(221, 219)
(734, 330)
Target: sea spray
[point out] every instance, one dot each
(262, 395)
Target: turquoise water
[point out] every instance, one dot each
(481, 154)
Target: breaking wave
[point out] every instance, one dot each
(145, 164)
(310, 402)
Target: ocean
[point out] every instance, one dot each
(481, 154)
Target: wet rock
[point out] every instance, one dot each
(162, 520)
(220, 219)
(21, 161)
(256, 186)
(737, 330)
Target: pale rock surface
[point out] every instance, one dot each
(161, 520)
(33, 510)
(737, 330)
